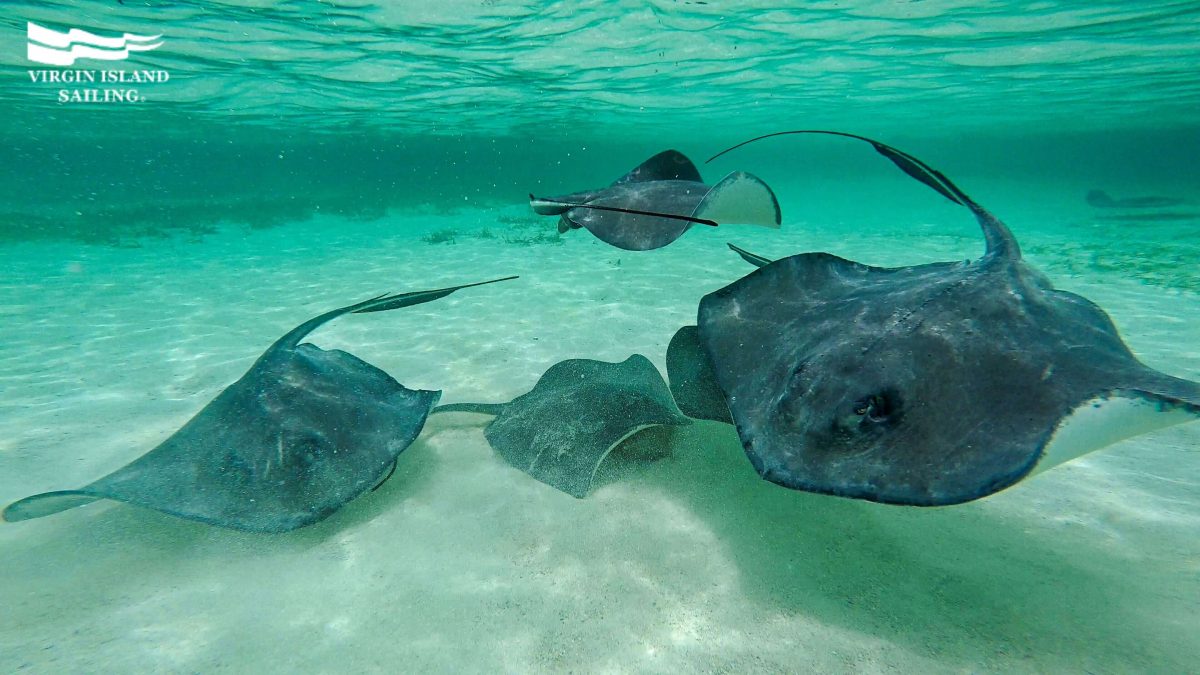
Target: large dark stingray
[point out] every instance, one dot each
(304, 431)
(656, 202)
(580, 409)
(926, 385)
(1102, 200)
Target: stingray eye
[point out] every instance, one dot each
(302, 450)
(881, 407)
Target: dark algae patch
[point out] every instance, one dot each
(535, 239)
(1166, 257)
(446, 236)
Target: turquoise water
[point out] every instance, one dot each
(302, 156)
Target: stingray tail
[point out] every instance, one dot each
(1000, 242)
(752, 258)
(380, 303)
(545, 204)
(480, 408)
(45, 504)
(386, 302)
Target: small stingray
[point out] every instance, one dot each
(1148, 217)
(580, 409)
(659, 200)
(927, 385)
(304, 431)
(1101, 200)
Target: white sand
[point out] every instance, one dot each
(461, 563)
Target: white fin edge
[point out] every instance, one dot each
(740, 198)
(1106, 420)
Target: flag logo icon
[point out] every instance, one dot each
(61, 49)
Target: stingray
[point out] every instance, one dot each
(927, 385)
(302, 433)
(659, 200)
(562, 430)
(693, 382)
(1148, 217)
(1102, 200)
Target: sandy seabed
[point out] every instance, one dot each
(461, 563)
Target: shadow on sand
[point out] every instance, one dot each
(959, 583)
(970, 586)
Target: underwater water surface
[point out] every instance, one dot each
(302, 156)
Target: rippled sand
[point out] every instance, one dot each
(463, 563)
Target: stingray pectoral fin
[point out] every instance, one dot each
(740, 198)
(666, 165)
(1109, 419)
(752, 258)
(575, 472)
(46, 504)
(692, 380)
